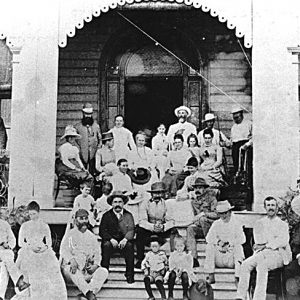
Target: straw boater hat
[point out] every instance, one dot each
(117, 194)
(236, 109)
(157, 187)
(209, 117)
(140, 175)
(87, 108)
(189, 112)
(70, 131)
(200, 182)
(223, 206)
(106, 136)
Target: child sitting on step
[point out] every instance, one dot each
(180, 268)
(155, 266)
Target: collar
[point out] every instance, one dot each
(121, 213)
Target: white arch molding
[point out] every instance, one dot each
(73, 14)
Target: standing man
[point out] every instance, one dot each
(80, 253)
(241, 137)
(90, 140)
(7, 265)
(117, 232)
(124, 141)
(183, 127)
(154, 219)
(224, 242)
(219, 137)
(204, 203)
(271, 251)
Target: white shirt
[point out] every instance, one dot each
(141, 157)
(68, 151)
(81, 202)
(242, 131)
(121, 182)
(216, 138)
(123, 142)
(188, 128)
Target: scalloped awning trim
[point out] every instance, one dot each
(73, 14)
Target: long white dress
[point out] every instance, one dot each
(41, 270)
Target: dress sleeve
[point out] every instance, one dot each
(172, 261)
(64, 154)
(22, 236)
(219, 158)
(47, 233)
(11, 240)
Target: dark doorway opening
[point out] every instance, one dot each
(149, 102)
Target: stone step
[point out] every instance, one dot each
(221, 275)
(122, 290)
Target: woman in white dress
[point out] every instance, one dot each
(37, 260)
(160, 150)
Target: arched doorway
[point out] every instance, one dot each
(145, 83)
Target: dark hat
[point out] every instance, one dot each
(192, 162)
(200, 182)
(81, 213)
(155, 238)
(157, 187)
(140, 175)
(107, 136)
(117, 194)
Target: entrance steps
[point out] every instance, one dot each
(116, 288)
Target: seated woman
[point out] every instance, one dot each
(193, 146)
(69, 163)
(37, 260)
(212, 160)
(177, 160)
(106, 154)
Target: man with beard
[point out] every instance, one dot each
(80, 253)
(219, 137)
(271, 251)
(183, 127)
(117, 232)
(90, 140)
(204, 203)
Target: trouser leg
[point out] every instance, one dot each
(128, 253)
(142, 236)
(160, 286)
(185, 283)
(192, 232)
(205, 224)
(107, 250)
(79, 280)
(210, 263)
(171, 283)
(3, 279)
(148, 288)
(98, 279)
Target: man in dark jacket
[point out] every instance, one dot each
(117, 232)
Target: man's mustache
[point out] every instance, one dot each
(80, 225)
(118, 206)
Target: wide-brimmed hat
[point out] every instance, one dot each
(193, 162)
(106, 136)
(70, 131)
(157, 187)
(236, 109)
(188, 110)
(200, 182)
(223, 206)
(87, 108)
(140, 175)
(81, 213)
(117, 194)
(209, 117)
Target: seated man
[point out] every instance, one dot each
(204, 204)
(271, 251)
(7, 265)
(117, 232)
(224, 242)
(154, 220)
(80, 255)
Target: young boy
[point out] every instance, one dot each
(101, 205)
(85, 201)
(155, 266)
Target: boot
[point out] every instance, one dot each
(21, 284)
(90, 295)
(211, 278)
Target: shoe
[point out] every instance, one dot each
(90, 295)
(170, 298)
(138, 264)
(151, 298)
(196, 263)
(211, 278)
(130, 279)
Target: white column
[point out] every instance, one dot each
(34, 106)
(275, 99)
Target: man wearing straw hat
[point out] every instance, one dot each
(219, 137)
(90, 141)
(183, 127)
(271, 251)
(241, 136)
(224, 242)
